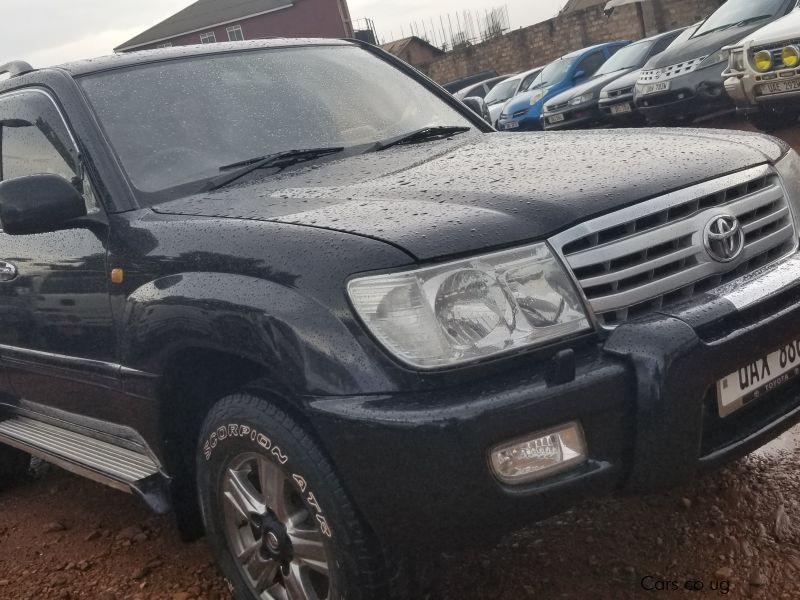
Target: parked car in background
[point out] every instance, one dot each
(508, 89)
(578, 107)
(685, 81)
(479, 90)
(460, 84)
(616, 101)
(763, 75)
(524, 112)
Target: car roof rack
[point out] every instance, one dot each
(16, 68)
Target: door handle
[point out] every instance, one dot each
(7, 271)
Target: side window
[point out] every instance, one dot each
(528, 80)
(34, 139)
(591, 63)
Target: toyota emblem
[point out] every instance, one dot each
(724, 238)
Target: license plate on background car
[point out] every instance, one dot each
(555, 119)
(758, 378)
(511, 125)
(780, 87)
(652, 88)
(621, 109)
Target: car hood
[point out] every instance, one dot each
(627, 80)
(523, 100)
(782, 30)
(484, 191)
(703, 45)
(595, 84)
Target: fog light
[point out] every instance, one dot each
(791, 56)
(763, 60)
(539, 455)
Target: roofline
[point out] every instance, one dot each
(123, 48)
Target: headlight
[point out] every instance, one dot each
(736, 60)
(791, 56)
(789, 170)
(763, 60)
(604, 95)
(718, 57)
(581, 99)
(470, 309)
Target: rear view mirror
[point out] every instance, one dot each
(38, 204)
(478, 106)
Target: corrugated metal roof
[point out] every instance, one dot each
(575, 5)
(204, 14)
(397, 46)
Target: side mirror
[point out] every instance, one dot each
(38, 204)
(478, 106)
(579, 75)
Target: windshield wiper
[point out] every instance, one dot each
(732, 25)
(420, 135)
(277, 160)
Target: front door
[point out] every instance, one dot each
(56, 334)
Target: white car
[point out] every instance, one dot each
(506, 90)
(763, 74)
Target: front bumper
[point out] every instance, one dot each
(746, 89)
(608, 112)
(416, 464)
(689, 96)
(573, 116)
(530, 121)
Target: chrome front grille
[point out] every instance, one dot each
(620, 92)
(639, 259)
(670, 72)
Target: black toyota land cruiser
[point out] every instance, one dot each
(292, 292)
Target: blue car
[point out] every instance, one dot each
(524, 111)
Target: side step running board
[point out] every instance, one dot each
(100, 461)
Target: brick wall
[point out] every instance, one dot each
(544, 42)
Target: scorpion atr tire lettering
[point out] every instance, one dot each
(278, 521)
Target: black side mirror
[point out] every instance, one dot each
(38, 204)
(478, 106)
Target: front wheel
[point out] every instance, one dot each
(279, 523)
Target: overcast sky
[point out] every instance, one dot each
(47, 32)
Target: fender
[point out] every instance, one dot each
(301, 344)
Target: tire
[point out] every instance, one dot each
(770, 121)
(245, 440)
(14, 466)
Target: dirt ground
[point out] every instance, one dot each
(735, 533)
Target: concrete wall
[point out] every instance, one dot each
(541, 43)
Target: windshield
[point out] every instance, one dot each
(201, 113)
(553, 73)
(502, 91)
(627, 58)
(734, 12)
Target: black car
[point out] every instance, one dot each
(686, 80)
(288, 291)
(579, 106)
